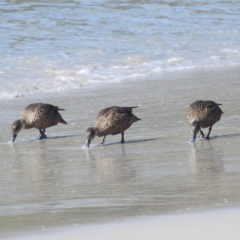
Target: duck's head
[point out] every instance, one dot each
(195, 128)
(16, 128)
(90, 134)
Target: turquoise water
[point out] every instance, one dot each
(50, 46)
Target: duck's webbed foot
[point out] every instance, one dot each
(42, 134)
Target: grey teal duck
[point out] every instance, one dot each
(40, 116)
(203, 114)
(111, 121)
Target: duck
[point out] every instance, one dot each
(203, 114)
(40, 116)
(111, 121)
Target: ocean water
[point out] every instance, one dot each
(56, 45)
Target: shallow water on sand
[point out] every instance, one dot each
(59, 182)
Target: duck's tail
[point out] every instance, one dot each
(59, 109)
(220, 108)
(63, 121)
(129, 109)
(133, 107)
(135, 118)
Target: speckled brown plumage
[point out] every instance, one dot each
(40, 116)
(112, 121)
(203, 114)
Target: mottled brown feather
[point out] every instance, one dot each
(206, 112)
(41, 116)
(114, 120)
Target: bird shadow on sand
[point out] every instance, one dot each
(49, 138)
(225, 136)
(126, 142)
(200, 139)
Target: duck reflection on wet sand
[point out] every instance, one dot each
(205, 159)
(110, 165)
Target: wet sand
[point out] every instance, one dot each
(57, 182)
(219, 225)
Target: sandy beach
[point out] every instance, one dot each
(220, 225)
(57, 184)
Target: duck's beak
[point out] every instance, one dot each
(14, 137)
(87, 142)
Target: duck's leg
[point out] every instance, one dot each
(103, 141)
(122, 140)
(42, 132)
(201, 133)
(209, 131)
(44, 135)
